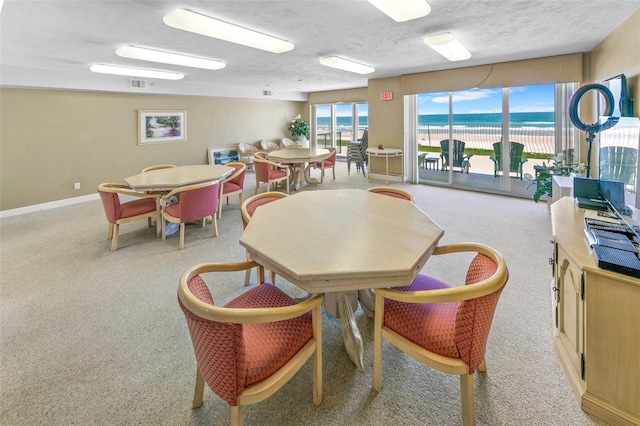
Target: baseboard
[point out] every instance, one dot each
(46, 206)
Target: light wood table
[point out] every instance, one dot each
(337, 242)
(386, 153)
(302, 158)
(174, 177)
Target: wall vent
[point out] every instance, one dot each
(266, 93)
(137, 84)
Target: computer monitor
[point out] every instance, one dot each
(613, 192)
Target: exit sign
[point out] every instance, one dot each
(386, 96)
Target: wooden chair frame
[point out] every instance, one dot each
(261, 158)
(323, 167)
(229, 178)
(388, 190)
(454, 294)
(267, 387)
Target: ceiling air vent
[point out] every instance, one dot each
(266, 93)
(137, 84)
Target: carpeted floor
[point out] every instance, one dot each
(89, 336)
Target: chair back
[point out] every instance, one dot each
(158, 167)
(515, 156)
(289, 143)
(268, 145)
(618, 163)
(111, 203)
(247, 148)
(249, 206)
(261, 167)
(458, 152)
(197, 201)
(237, 176)
(393, 192)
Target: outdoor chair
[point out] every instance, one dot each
(246, 152)
(459, 158)
(247, 209)
(146, 206)
(268, 145)
(252, 346)
(327, 163)
(357, 152)
(195, 202)
(618, 163)
(269, 172)
(515, 158)
(233, 184)
(445, 327)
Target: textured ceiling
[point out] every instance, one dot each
(53, 43)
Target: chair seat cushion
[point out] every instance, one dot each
(429, 325)
(276, 174)
(229, 187)
(137, 207)
(269, 346)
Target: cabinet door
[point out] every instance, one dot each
(570, 311)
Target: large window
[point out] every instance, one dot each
(338, 124)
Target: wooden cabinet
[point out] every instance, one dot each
(597, 322)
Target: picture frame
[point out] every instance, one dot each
(223, 154)
(161, 126)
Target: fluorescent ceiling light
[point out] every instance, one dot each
(154, 55)
(343, 64)
(196, 23)
(402, 10)
(448, 46)
(136, 72)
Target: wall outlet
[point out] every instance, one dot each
(76, 185)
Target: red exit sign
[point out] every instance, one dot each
(386, 96)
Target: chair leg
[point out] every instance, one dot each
(236, 415)
(247, 274)
(272, 277)
(181, 236)
(199, 390)
(483, 366)
(110, 231)
(164, 228)
(377, 344)
(466, 390)
(317, 356)
(334, 172)
(114, 236)
(214, 225)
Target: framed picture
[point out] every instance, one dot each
(161, 126)
(223, 154)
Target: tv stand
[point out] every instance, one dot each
(596, 322)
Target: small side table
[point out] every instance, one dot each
(432, 163)
(386, 153)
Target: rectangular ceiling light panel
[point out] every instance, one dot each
(153, 55)
(346, 65)
(402, 10)
(448, 46)
(196, 23)
(136, 72)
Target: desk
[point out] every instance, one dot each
(172, 178)
(386, 153)
(302, 159)
(341, 241)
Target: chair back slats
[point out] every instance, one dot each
(618, 163)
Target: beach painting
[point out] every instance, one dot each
(161, 126)
(223, 155)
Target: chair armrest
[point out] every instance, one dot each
(125, 190)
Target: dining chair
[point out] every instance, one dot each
(232, 184)
(445, 327)
(327, 163)
(357, 152)
(289, 143)
(117, 212)
(393, 192)
(270, 172)
(268, 145)
(247, 209)
(247, 349)
(246, 152)
(195, 202)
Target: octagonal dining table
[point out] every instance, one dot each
(337, 242)
(302, 160)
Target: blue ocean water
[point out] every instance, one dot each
(517, 119)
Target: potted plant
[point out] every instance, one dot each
(299, 128)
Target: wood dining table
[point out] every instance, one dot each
(337, 242)
(302, 160)
(175, 177)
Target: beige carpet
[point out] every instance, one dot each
(90, 336)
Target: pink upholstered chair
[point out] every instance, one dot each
(145, 206)
(327, 163)
(249, 348)
(233, 184)
(393, 192)
(196, 202)
(442, 326)
(248, 208)
(270, 172)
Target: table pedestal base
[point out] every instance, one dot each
(342, 304)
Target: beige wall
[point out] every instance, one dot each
(51, 139)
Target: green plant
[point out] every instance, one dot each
(298, 127)
(544, 178)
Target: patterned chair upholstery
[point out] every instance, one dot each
(327, 163)
(442, 326)
(357, 152)
(146, 206)
(196, 202)
(246, 356)
(233, 184)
